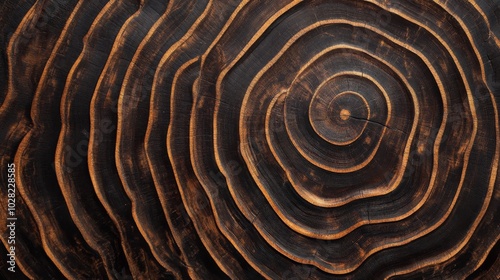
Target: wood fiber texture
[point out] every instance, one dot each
(229, 139)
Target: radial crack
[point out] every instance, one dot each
(378, 123)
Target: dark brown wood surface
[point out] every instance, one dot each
(227, 139)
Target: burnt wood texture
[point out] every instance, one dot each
(229, 139)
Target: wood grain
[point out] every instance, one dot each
(287, 139)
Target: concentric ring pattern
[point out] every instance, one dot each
(210, 139)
